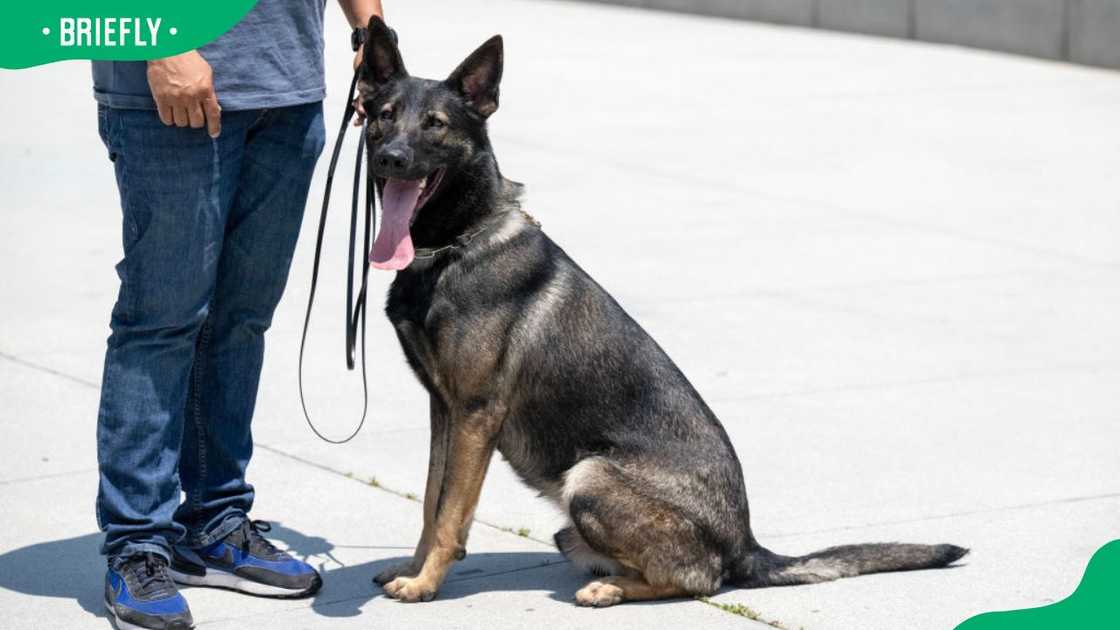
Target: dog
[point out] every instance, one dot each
(522, 352)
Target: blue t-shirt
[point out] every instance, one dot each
(273, 57)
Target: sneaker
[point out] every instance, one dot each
(140, 594)
(245, 561)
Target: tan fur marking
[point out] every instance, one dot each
(552, 296)
(513, 223)
(472, 444)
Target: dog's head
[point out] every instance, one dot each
(421, 133)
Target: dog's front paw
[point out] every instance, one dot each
(410, 589)
(404, 569)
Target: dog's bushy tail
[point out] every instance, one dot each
(762, 567)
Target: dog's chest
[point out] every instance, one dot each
(449, 340)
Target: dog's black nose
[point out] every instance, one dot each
(394, 160)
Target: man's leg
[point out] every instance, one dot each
(281, 150)
(176, 186)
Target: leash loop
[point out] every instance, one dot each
(355, 308)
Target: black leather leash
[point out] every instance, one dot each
(355, 307)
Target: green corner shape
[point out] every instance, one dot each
(1094, 604)
(39, 32)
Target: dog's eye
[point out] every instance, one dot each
(386, 114)
(435, 122)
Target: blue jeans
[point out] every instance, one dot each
(209, 231)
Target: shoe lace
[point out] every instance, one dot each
(253, 542)
(152, 577)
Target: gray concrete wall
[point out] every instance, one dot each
(875, 17)
(1081, 31)
(1094, 33)
(797, 12)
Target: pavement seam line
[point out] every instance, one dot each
(937, 517)
(68, 473)
(754, 292)
(409, 496)
(509, 530)
(738, 610)
(47, 370)
(742, 610)
(732, 609)
(972, 377)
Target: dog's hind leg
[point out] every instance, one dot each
(662, 553)
(580, 554)
(615, 589)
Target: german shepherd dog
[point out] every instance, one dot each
(521, 351)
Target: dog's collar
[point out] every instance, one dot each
(461, 241)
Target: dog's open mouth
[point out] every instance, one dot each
(400, 201)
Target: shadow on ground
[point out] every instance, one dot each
(346, 588)
(71, 568)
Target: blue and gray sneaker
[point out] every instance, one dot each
(139, 593)
(245, 561)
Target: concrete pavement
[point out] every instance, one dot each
(891, 268)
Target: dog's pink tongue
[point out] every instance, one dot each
(393, 248)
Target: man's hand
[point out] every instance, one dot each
(183, 88)
(358, 13)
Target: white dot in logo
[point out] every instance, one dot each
(173, 31)
(46, 30)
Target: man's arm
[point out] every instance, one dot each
(358, 12)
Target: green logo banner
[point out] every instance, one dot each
(34, 33)
(1094, 604)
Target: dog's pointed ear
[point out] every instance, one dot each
(381, 59)
(477, 78)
